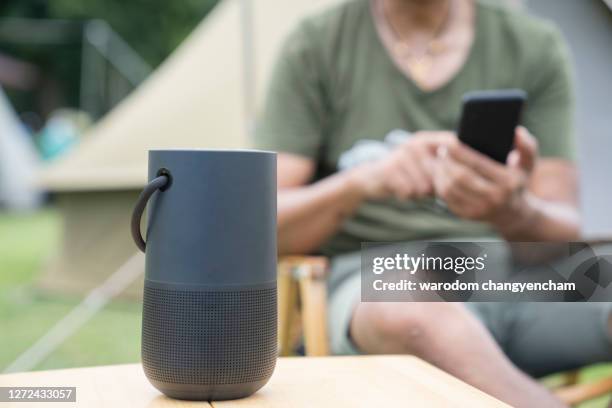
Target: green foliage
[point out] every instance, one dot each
(152, 27)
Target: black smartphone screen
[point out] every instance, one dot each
(489, 119)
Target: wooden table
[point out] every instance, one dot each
(369, 381)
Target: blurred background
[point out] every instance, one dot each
(86, 88)
(63, 66)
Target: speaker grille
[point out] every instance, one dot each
(198, 337)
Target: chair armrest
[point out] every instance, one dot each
(315, 266)
(306, 276)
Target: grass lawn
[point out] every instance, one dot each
(112, 336)
(26, 242)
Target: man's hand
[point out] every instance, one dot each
(479, 188)
(407, 172)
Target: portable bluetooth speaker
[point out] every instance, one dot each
(209, 309)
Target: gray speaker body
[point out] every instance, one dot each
(210, 311)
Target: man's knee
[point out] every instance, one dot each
(413, 328)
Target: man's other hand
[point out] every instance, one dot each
(407, 172)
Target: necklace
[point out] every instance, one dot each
(419, 61)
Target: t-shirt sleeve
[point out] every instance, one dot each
(550, 107)
(294, 115)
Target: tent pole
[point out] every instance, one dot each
(248, 65)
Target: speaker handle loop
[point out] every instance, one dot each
(161, 182)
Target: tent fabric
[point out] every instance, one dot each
(19, 161)
(195, 99)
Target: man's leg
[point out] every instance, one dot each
(450, 337)
(444, 334)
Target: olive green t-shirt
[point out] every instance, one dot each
(334, 84)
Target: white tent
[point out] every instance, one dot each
(18, 161)
(203, 96)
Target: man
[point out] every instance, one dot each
(367, 67)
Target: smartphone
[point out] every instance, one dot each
(489, 119)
